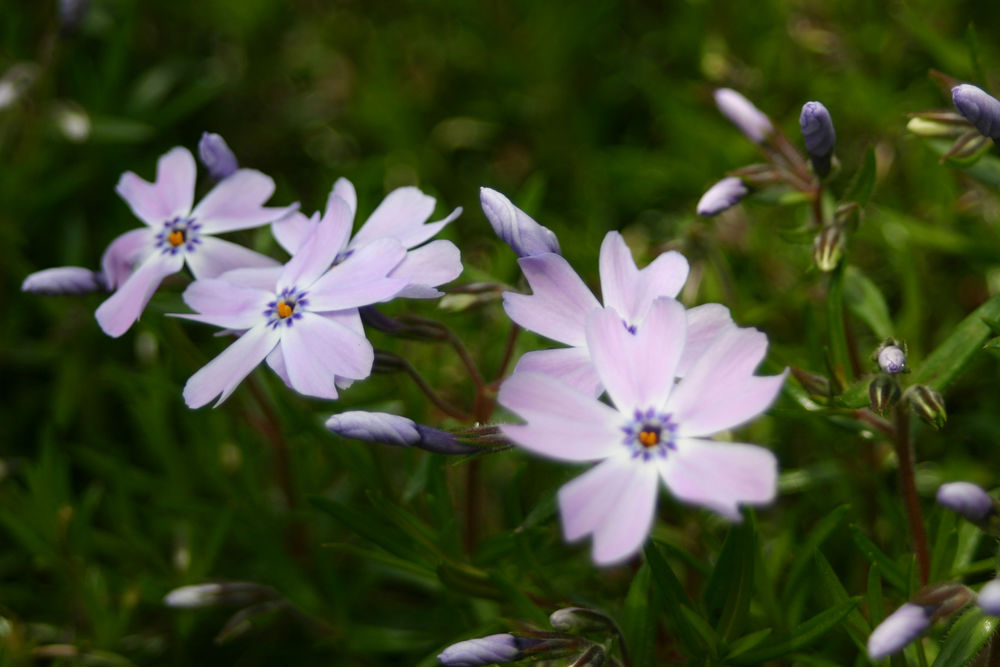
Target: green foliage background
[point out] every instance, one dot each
(591, 116)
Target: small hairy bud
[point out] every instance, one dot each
(723, 195)
(398, 431)
(967, 500)
(741, 112)
(979, 108)
(492, 649)
(828, 248)
(64, 280)
(819, 135)
(515, 227)
(216, 155)
(232, 593)
(989, 598)
(927, 403)
(883, 394)
(580, 619)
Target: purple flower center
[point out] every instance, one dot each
(177, 234)
(649, 434)
(287, 307)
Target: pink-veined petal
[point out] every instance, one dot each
(559, 303)
(615, 501)
(705, 323)
(170, 196)
(571, 365)
(344, 189)
(317, 349)
(318, 248)
(401, 216)
(212, 257)
(563, 423)
(630, 291)
(720, 391)
(428, 266)
(361, 279)
(638, 369)
(291, 229)
(222, 375)
(720, 475)
(237, 202)
(120, 310)
(125, 253)
(224, 304)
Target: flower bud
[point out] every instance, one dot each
(594, 656)
(233, 593)
(725, 194)
(216, 156)
(933, 124)
(580, 619)
(883, 394)
(814, 383)
(64, 280)
(398, 431)
(741, 112)
(819, 135)
(828, 247)
(899, 629)
(488, 650)
(989, 598)
(927, 403)
(967, 500)
(979, 107)
(892, 359)
(515, 227)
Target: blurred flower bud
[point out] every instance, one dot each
(967, 500)
(515, 227)
(71, 14)
(488, 650)
(741, 112)
(594, 656)
(216, 156)
(819, 135)
(725, 194)
(899, 629)
(979, 107)
(927, 403)
(828, 247)
(64, 280)
(412, 328)
(892, 359)
(989, 598)
(814, 383)
(883, 394)
(938, 124)
(233, 593)
(581, 619)
(398, 431)
(15, 82)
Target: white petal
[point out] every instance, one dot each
(226, 305)
(401, 216)
(290, 230)
(170, 196)
(222, 375)
(570, 365)
(120, 310)
(344, 189)
(705, 323)
(361, 279)
(125, 253)
(559, 303)
(317, 349)
(428, 266)
(630, 291)
(237, 202)
(318, 248)
(212, 257)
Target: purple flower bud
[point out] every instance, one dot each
(725, 194)
(232, 593)
(989, 598)
(966, 499)
(398, 431)
(216, 156)
(486, 650)
(820, 137)
(892, 360)
(899, 629)
(515, 227)
(64, 280)
(741, 112)
(979, 108)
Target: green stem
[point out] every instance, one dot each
(911, 501)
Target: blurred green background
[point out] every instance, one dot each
(591, 116)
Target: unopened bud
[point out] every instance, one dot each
(913, 618)
(927, 403)
(989, 598)
(828, 248)
(64, 280)
(814, 383)
(580, 619)
(819, 135)
(891, 359)
(967, 500)
(741, 112)
(398, 431)
(979, 107)
(515, 227)
(594, 656)
(216, 155)
(883, 394)
(951, 126)
(723, 195)
(497, 648)
(233, 593)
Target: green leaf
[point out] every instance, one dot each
(822, 530)
(366, 526)
(860, 189)
(890, 571)
(876, 610)
(638, 624)
(864, 299)
(840, 364)
(704, 630)
(673, 596)
(986, 169)
(747, 642)
(965, 639)
(945, 545)
(730, 588)
(856, 625)
(803, 635)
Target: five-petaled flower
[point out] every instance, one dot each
(303, 317)
(656, 429)
(179, 233)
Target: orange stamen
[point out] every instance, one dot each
(284, 310)
(176, 237)
(649, 438)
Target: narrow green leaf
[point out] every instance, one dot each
(708, 636)
(803, 635)
(890, 571)
(860, 189)
(526, 609)
(865, 301)
(747, 642)
(972, 41)
(822, 530)
(638, 624)
(740, 591)
(828, 581)
(876, 610)
(840, 365)
(966, 638)
(673, 596)
(945, 545)
(366, 526)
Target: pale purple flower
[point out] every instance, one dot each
(560, 302)
(989, 598)
(179, 233)
(657, 428)
(725, 194)
(389, 429)
(966, 499)
(979, 108)
(64, 280)
(303, 317)
(515, 227)
(892, 359)
(400, 216)
(899, 629)
(487, 650)
(216, 155)
(741, 112)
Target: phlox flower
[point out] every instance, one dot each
(177, 233)
(656, 427)
(302, 317)
(560, 302)
(401, 216)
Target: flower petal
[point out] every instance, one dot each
(222, 375)
(262, 278)
(615, 501)
(630, 291)
(120, 310)
(563, 423)
(237, 202)
(559, 303)
(361, 279)
(720, 392)
(224, 304)
(570, 365)
(638, 369)
(317, 349)
(720, 475)
(401, 216)
(705, 323)
(428, 266)
(318, 248)
(212, 257)
(125, 253)
(170, 196)
(344, 189)
(291, 229)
